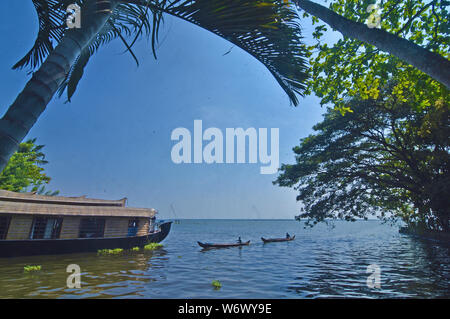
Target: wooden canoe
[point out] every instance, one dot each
(209, 245)
(276, 240)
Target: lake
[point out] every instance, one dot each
(322, 262)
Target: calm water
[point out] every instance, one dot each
(321, 262)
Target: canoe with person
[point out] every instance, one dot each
(277, 240)
(238, 243)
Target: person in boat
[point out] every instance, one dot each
(288, 236)
(239, 241)
(152, 225)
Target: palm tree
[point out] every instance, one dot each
(266, 29)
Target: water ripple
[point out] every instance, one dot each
(322, 262)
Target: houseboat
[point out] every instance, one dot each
(33, 224)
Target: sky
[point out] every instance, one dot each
(114, 139)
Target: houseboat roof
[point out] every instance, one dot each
(62, 200)
(32, 204)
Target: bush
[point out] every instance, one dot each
(216, 284)
(153, 246)
(32, 268)
(116, 251)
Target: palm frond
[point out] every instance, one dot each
(51, 19)
(126, 20)
(266, 29)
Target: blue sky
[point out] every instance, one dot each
(113, 139)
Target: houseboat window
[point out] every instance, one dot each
(4, 225)
(152, 226)
(92, 228)
(133, 226)
(46, 228)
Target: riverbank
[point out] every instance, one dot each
(425, 234)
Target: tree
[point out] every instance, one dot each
(411, 45)
(24, 171)
(423, 59)
(388, 158)
(265, 29)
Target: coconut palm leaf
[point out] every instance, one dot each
(266, 29)
(51, 30)
(126, 20)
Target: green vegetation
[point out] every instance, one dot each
(352, 68)
(105, 252)
(119, 251)
(216, 284)
(32, 268)
(389, 157)
(153, 246)
(24, 171)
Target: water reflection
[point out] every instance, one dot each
(101, 276)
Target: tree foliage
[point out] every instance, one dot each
(24, 171)
(351, 68)
(389, 157)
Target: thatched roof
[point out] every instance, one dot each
(26, 203)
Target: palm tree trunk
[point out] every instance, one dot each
(428, 62)
(38, 92)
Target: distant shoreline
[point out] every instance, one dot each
(424, 234)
